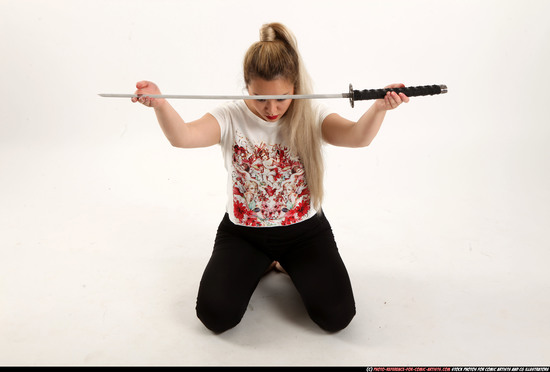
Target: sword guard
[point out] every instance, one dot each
(351, 99)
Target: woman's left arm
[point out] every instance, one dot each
(339, 131)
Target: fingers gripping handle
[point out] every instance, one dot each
(426, 90)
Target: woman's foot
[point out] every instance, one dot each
(276, 266)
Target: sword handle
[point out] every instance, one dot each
(425, 90)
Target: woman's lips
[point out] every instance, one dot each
(272, 117)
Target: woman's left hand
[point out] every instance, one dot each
(392, 100)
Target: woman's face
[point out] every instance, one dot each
(252, 188)
(272, 109)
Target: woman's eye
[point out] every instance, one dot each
(263, 100)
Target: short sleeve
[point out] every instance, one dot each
(322, 111)
(222, 115)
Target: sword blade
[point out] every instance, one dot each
(353, 95)
(228, 97)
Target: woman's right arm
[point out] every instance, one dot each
(203, 132)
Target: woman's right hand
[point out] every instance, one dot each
(145, 88)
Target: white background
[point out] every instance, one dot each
(442, 222)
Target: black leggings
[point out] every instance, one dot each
(306, 250)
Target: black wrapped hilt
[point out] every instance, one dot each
(426, 90)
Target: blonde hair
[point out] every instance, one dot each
(276, 56)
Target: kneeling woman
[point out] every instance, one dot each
(272, 152)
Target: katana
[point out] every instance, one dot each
(352, 95)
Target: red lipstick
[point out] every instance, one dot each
(272, 117)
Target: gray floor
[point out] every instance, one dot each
(101, 262)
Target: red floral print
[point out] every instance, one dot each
(269, 184)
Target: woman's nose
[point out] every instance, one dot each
(271, 106)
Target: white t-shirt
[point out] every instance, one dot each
(265, 181)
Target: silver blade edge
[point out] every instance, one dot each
(227, 97)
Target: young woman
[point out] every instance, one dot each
(272, 152)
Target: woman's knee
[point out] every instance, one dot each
(218, 317)
(333, 318)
